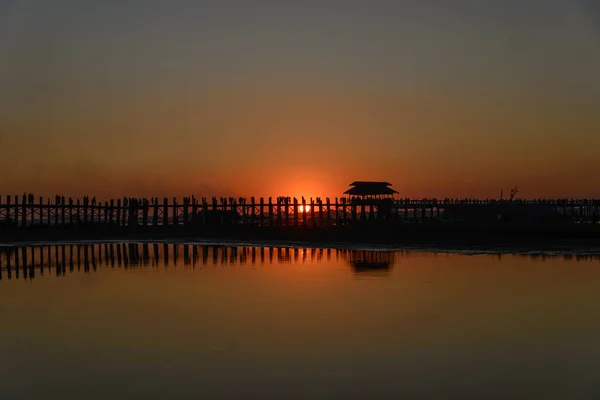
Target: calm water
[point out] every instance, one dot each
(183, 321)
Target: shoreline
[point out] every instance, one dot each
(571, 239)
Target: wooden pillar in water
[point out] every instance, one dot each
(145, 205)
(213, 213)
(106, 213)
(56, 210)
(155, 212)
(328, 217)
(270, 211)
(295, 211)
(175, 212)
(33, 207)
(111, 210)
(194, 208)
(118, 212)
(337, 211)
(8, 220)
(63, 210)
(304, 212)
(253, 212)
(286, 211)
(262, 212)
(24, 211)
(48, 207)
(204, 211)
(186, 204)
(41, 212)
(85, 210)
(312, 212)
(16, 211)
(279, 219)
(320, 204)
(93, 211)
(165, 212)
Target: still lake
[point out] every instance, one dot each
(119, 320)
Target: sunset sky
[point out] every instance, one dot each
(223, 97)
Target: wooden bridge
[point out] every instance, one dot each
(27, 210)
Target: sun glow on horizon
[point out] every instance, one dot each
(303, 208)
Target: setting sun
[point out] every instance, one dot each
(303, 208)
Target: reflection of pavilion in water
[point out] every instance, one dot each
(363, 261)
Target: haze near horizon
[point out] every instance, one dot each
(264, 98)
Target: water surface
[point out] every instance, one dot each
(188, 321)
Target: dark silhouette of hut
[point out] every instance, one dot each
(363, 190)
(377, 194)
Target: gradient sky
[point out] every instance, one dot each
(440, 98)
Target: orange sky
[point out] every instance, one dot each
(467, 107)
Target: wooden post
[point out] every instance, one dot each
(8, 218)
(279, 219)
(33, 207)
(41, 207)
(320, 201)
(16, 212)
(262, 212)
(48, 208)
(175, 212)
(118, 212)
(155, 212)
(295, 211)
(86, 201)
(146, 205)
(24, 211)
(304, 212)
(111, 210)
(312, 212)
(253, 208)
(233, 209)
(186, 203)
(124, 212)
(337, 212)
(204, 211)
(56, 210)
(165, 212)
(106, 213)
(328, 210)
(286, 211)
(270, 211)
(93, 211)
(214, 210)
(194, 209)
(244, 211)
(78, 211)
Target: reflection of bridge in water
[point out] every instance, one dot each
(26, 262)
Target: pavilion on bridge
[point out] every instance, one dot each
(361, 190)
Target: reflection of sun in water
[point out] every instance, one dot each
(302, 208)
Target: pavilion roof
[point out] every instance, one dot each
(362, 188)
